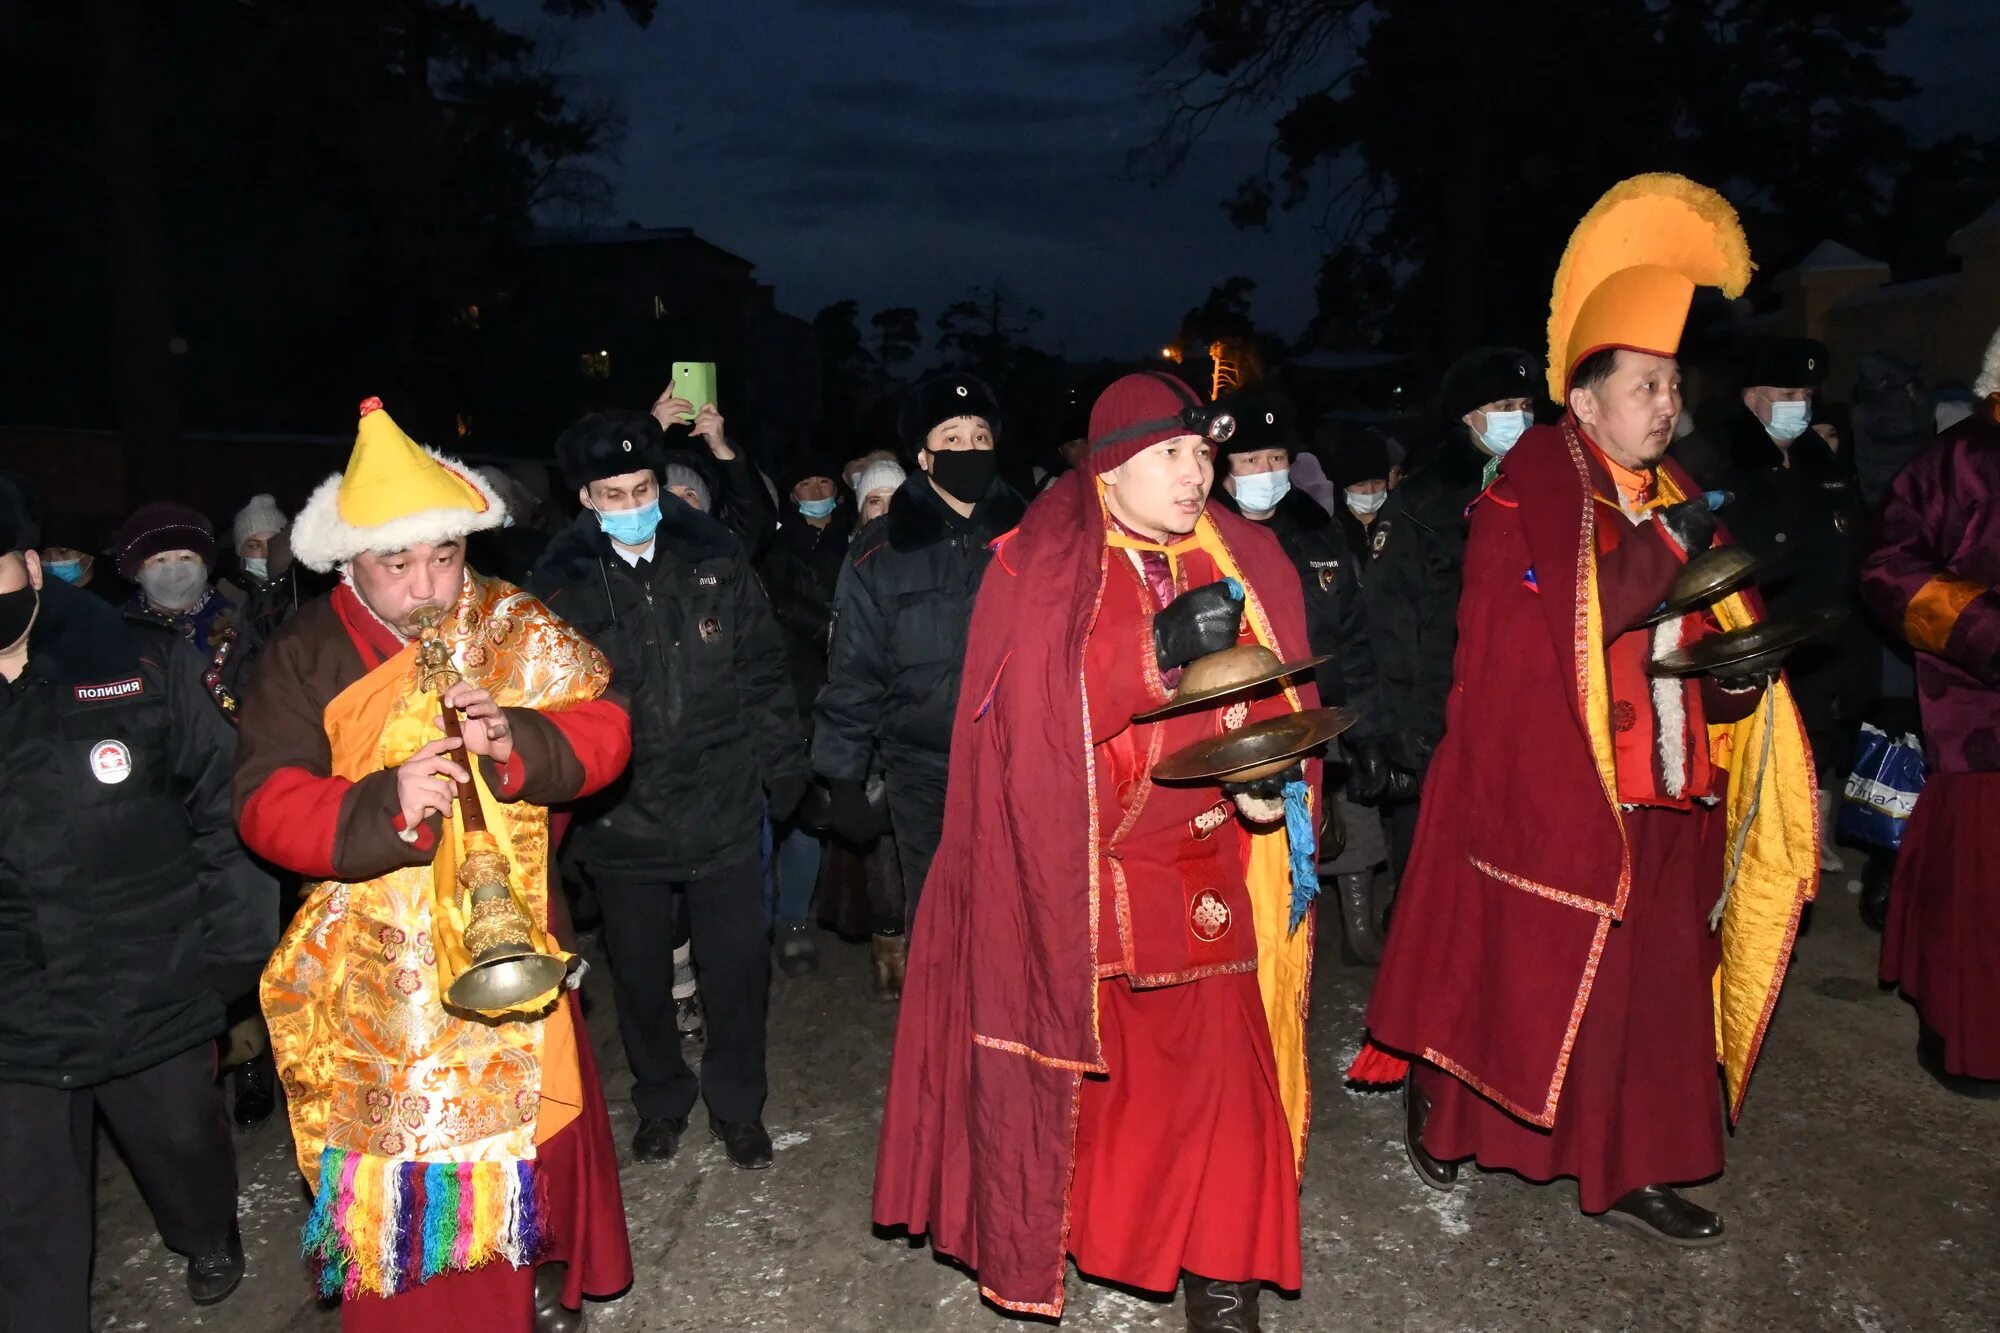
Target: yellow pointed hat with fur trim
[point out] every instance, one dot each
(394, 494)
(1628, 275)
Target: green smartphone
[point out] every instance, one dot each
(694, 381)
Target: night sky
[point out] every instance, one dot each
(902, 151)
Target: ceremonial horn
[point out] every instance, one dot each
(507, 971)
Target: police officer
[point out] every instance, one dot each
(1486, 403)
(902, 607)
(129, 916)
(1253, 476)
(668, 595)
(1797, 507)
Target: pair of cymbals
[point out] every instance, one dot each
(1705, 580)
(1256, 751)
(1762, 647)
(1236, 670)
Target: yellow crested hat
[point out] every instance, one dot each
(395, 493)
(1628, 275)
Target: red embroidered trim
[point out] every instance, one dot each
(1090, 783)
(1027, 1307)
(1771, 999)
(1546, 1117)
(1591, 905)
(1052, 1062)
(1586, 579)
(1458, 1071)
(1121, 909)
(1160, 979)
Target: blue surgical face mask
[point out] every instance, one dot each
(1259, 492)
(631, 527)
(257, 566)
(1503, 431)
(1789, 421)
(69, 571)
(818, 508)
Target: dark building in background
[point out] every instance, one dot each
(578, 319)
(595, 317)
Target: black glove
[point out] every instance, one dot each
(849, 814)
(1200, 621)
(1691, 522)
(1410, 751)
(785, 794)
(1269, 788)
(1373, 778)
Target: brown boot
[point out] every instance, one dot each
(1220, 1307)
(551, 1315)
(892, 956)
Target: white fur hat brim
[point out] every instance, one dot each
(1989, 371)
(323, 541)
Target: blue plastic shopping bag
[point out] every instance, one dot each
(1882, 789)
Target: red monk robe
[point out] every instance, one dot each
(1552, 958)
(293, 813)
(1084, 1063)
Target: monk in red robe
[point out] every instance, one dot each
(461, 1162)
(1556, 965)
(1100, 1053)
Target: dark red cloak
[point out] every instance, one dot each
(1521, 863)
(998, 1023)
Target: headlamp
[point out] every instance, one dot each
(1202, 419)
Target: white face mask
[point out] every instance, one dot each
(1259, 492)
(1366, 502)
(1503, 431)
(1789, 420)
(174, 587)
(257, 566)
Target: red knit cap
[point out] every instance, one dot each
(1135, 413)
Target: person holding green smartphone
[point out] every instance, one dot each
(740, 502)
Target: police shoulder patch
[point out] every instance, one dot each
(1379, 538)
(110, 689)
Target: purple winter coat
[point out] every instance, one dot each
(1931, 578)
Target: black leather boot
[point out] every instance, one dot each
(1416, 1113)
(1658, 1212)
(256, 1081)
(1876, 876)
(892, 959)
(1220, 1307)
(551, 1315)
(658, 1140)
(1360, 941)
(212, 1276)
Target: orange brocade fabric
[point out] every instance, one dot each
(378, 1074)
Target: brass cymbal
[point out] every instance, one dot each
(1760, 646)
(1256, 751)
(1232, 671)
(1704, 580)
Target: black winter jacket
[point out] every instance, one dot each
(1804, 525)
(800, 575)
(129, 911)
(1411, 587)
(905, 602)
(1336, 624)
(693, 646)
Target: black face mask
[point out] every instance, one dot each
(17, 609)
(964, 474)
